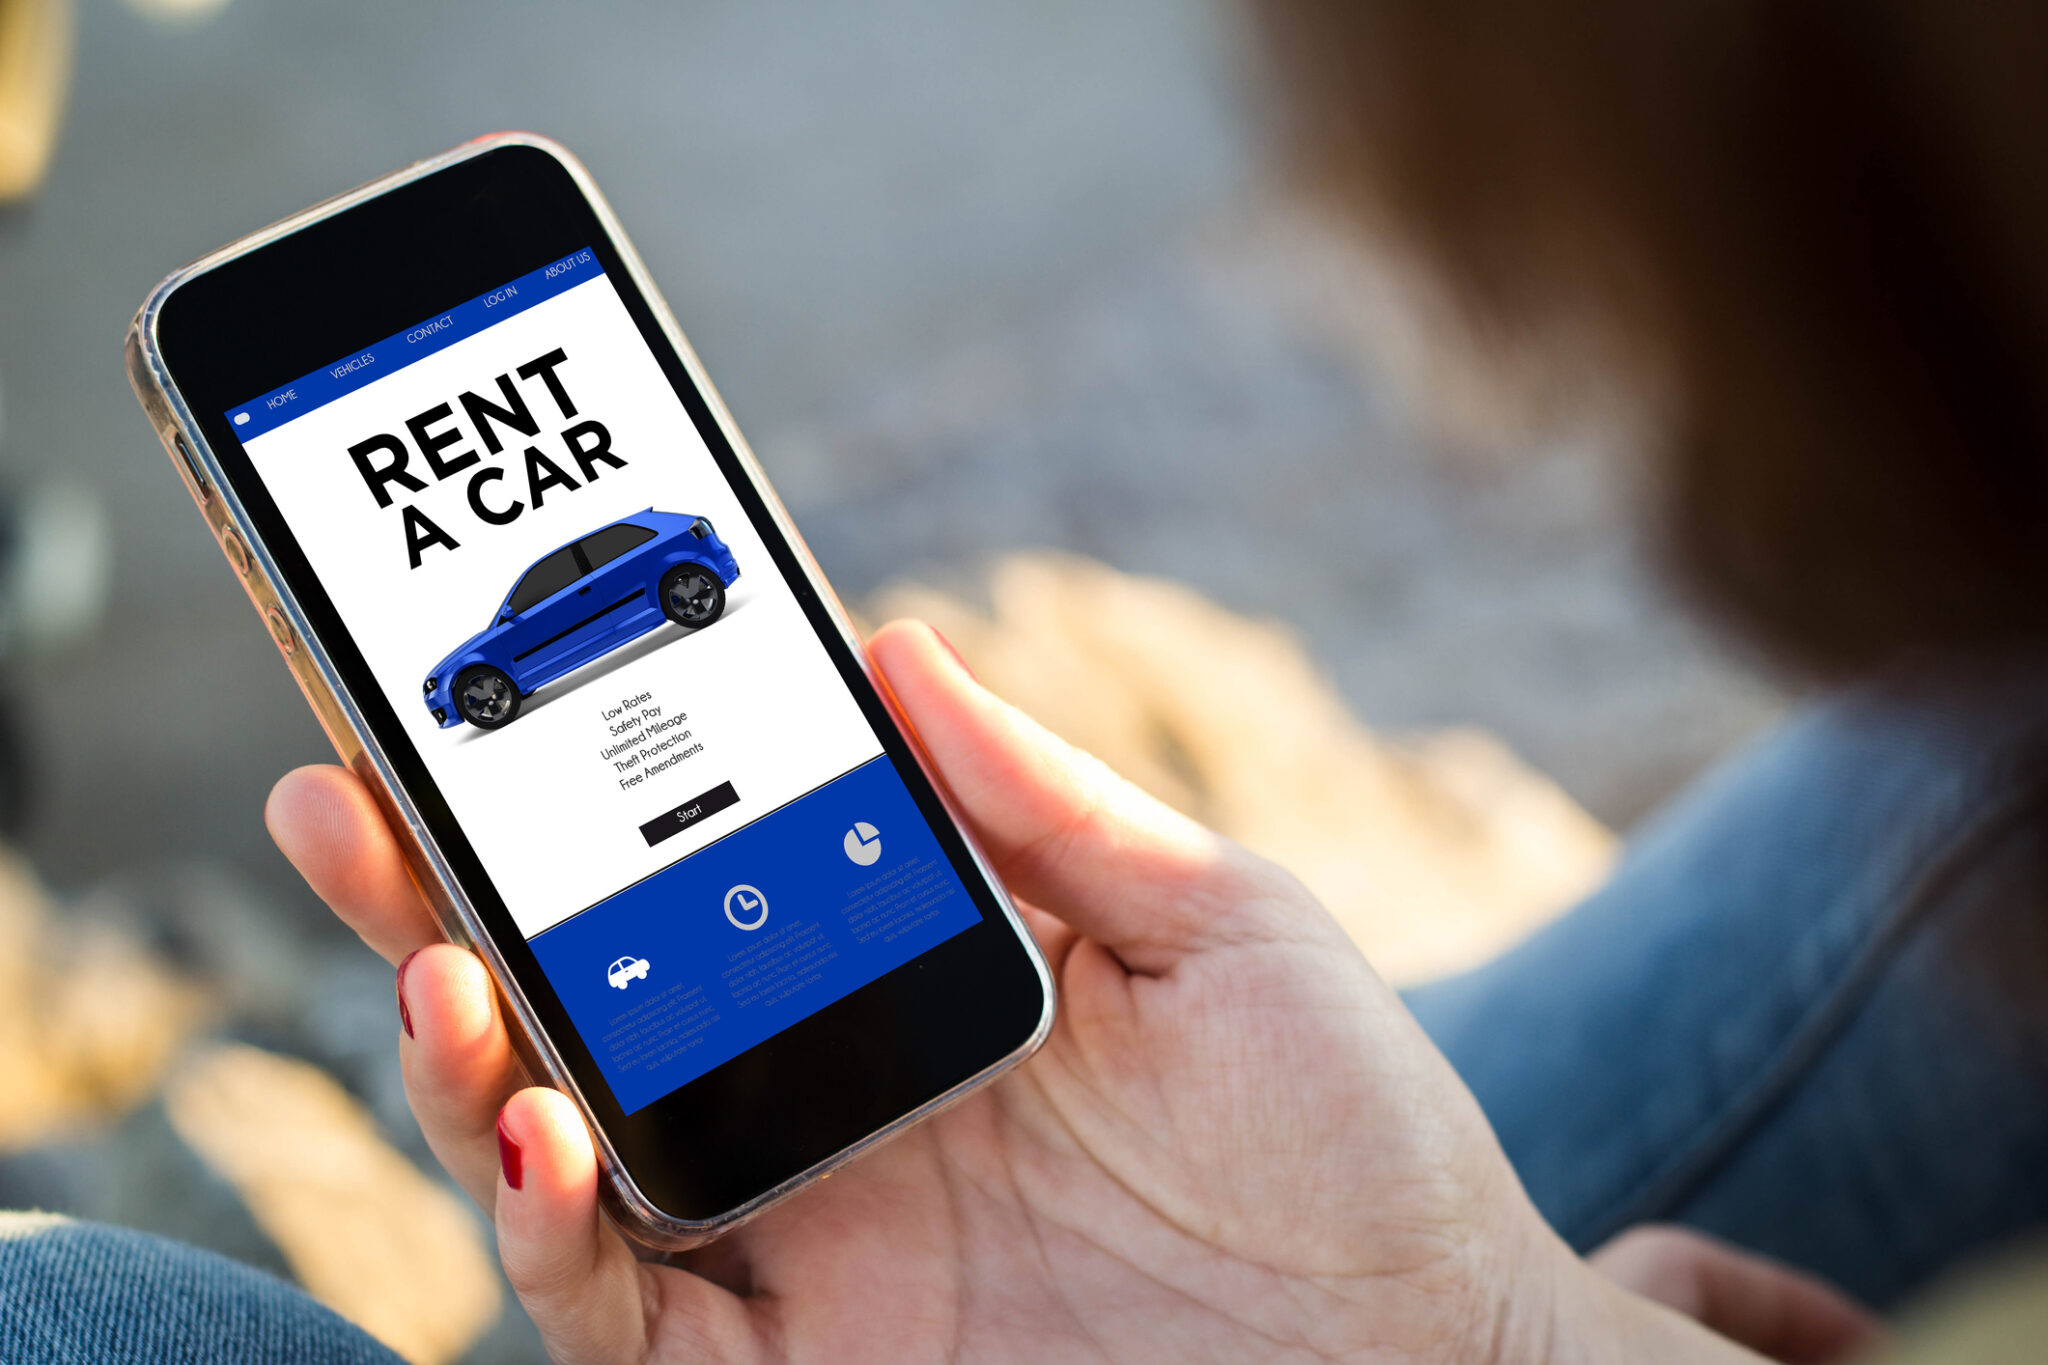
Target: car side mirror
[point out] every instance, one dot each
(505, 618)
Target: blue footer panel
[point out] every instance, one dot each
(705, 959)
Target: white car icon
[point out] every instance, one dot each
(625, 970)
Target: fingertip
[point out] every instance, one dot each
(326, 823)
(545, 1149)
(457, 1059)
(445, 994)
(548, 1225)
(907, 648)
(976, 739)
(302, 811)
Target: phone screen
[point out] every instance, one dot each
(685, 811)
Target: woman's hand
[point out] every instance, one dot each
(1236, 1145)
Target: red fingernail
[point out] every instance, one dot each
(508, 1155)
(404, 1014)
(941, 636)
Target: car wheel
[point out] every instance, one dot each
(486, 698)
(692, 596)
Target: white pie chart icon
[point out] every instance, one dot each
(863, 843)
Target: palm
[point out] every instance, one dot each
(1154, 1185)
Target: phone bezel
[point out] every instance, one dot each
(407, 248)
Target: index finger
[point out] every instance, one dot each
(1772, 1309)
(326, 822)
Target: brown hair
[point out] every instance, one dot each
(1824, 225)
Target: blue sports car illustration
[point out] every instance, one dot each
(578, 602)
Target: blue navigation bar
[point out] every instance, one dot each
(272, 410)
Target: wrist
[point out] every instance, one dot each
(1549, 1314)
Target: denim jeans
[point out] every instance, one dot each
(81, 1294)
(1809, 1013)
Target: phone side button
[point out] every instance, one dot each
(281, 631)
(191, 462)
(237, 553)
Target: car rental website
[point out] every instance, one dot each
(619, 696)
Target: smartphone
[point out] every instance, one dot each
(543, 601)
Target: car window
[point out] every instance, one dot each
(550, 576)
(602, 547)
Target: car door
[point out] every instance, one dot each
(620, 579)
(556, 626)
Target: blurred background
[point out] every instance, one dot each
(1019, 316)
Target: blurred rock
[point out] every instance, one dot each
(89, 1017)
(360, 1227)
(207, 920)
(178, 12)
(35, 78)
(308, 989)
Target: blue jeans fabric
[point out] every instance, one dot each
(82, 1294)
(1809, 1013)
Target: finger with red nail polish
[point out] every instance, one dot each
(575, 1278)
(458, 1064)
